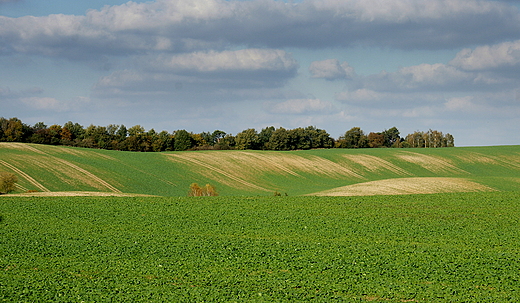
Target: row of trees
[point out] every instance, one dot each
(136, 138)
(356, 138)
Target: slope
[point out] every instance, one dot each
(45, 168)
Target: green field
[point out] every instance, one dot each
(380, 225)
(455, 247)
(251, 173)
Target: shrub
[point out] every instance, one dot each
(206, 191)
(7, 182)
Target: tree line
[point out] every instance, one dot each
(136, 138)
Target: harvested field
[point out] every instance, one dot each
(403, 186)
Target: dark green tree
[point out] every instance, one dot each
(182, 140)
(247, 139)
(280, 139)
(391, 137)
(216, 136)
(264, 136)
(353, 138)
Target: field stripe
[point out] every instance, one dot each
(26, 176)
(86, 172)
(220, 171)
(272, 162)
(22, 187)
(91, 175)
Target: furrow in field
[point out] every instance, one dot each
(270, 162)
(221, 172)
(20, 146)
(71, 165)
(376, 164)
(22, 187)
(254, 165)
(89, 174)
(431, 163)
(24, 175)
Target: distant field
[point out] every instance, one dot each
(456, 247)
(334, 172)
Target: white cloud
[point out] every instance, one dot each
(484, 69)
(387, 101)
(300, 106)
(487, 57)
(423, 77)
(241, 60)
(430, 75)
(331, 69)
(186, 26)
(360, 95)
(226, 73)
(459, 103)
(43, 103)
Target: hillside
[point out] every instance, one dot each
(53, 170)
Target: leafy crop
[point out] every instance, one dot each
(422, 248)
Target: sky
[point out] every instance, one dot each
(203, 65)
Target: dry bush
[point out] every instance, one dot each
(7, 182)
(207, 191)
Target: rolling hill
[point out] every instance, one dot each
(58, 170)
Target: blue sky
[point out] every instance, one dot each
(201, 65)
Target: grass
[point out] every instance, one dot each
(245, 173)
(459, 247)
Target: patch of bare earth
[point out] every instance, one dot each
(75, 194)
(242, 168)
(404, 186)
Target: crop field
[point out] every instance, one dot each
(449, 247)
(59, 170)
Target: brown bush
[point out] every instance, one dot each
(7, 182)
(206, 191)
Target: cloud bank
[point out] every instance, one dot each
(185, 26)
(237, 63)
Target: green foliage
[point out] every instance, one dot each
(353, 138)
(183, 140)
(7, 182)
(115, 137)
(247, 139)
(429, 248)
